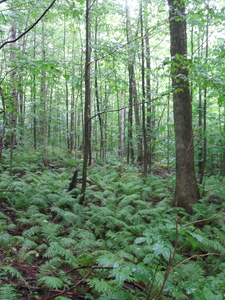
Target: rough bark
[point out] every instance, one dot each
(87, 108)
(186, 187)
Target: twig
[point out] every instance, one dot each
(203, 220)
(90, 267)
(129, 106)
(31, 27)
(127, 43)
(194, 256)
(71, 288)
(10, 191)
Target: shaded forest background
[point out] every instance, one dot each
(43, 87)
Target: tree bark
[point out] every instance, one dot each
(145, 146)
(87, 107)
(43, 96)
(101, 121)
(186, 186)
(13, 103)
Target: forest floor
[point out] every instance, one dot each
(118, 245)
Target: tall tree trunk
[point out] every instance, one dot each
(13, 103)
(33, 93)
(150, 120)
(122, 127)
(72, 106)
(43, 96)
(87, 107)
(204, 111)
(168, 131)
(101, 126)
(145, 162)
(132, 86)
(66, 87)
(186, 186)
(2, 137)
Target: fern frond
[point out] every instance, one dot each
(8, 292)
(68, 217)
(13, 273)
(191, 271)
(33, 231)
(55, 250)
(128, 200)
(67, 242)
(51, 282)
(101, 286)
(50, 267)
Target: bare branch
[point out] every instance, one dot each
(31, 27)
(203, 220)
(128, 106)
(195, 256)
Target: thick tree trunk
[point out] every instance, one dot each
(186, 188)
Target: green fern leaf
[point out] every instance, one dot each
(51, 282)
(13, 273)
(8, 292)
(101, 286)
(122, 274)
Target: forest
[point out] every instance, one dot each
(112, 149)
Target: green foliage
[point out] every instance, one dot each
(126, 233)
(51, 282)
(8, 292)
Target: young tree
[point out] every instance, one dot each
(87, 108)
(186, 187)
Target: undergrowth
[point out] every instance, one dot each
(117, 246)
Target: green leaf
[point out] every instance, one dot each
(208, 294)
(122, 274)
(198, 295)
(142, 273)
(51, 282)
(140, 240)
(66, 76)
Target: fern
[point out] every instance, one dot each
(50, 267)
(9, 292)
(68, 217)
(101, 286)
(12, 273)
(51, 282)
(55, 250)
(33, 231)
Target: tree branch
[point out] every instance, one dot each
(202, 220)
(127, 43)
(128, 106)
(31, 27)
(195, 256)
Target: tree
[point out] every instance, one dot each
(186, 187)
(87, 108)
